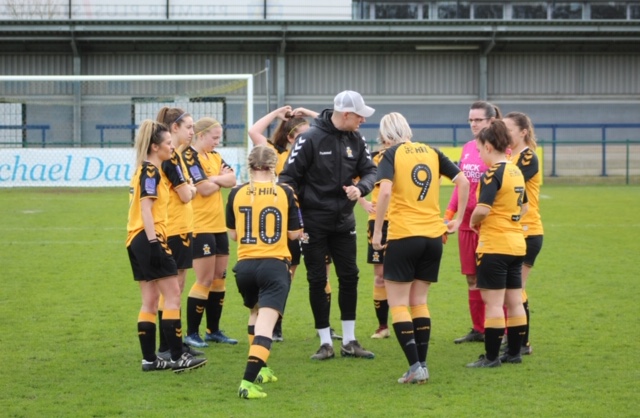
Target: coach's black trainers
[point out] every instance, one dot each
(335, 335)
(483, 361)
(157, 364)
(187, 362)
(472, 336)
(324, 352)
(354, 349)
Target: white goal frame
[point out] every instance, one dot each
(157, 77)
(78, 166)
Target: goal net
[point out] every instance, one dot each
(80, 130)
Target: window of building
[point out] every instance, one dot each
(566, 11)
(397, 11)
(454, 10)
(529, 11)
(487, 11)
(360, 10)
(608, 11)
(496, 9)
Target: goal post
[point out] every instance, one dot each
(45, 120)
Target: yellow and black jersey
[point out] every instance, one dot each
(208, 211)
(282, 154)
(502, 189)
(262, 224)
(529, 164)
(415, 169)
(376, 156)
(148, 182)
(180, 214)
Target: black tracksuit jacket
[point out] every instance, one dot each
(321, 162)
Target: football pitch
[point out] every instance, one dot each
(69, 306)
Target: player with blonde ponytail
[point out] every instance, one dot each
(210, 174)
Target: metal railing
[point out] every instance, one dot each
(568, 150)
(42, 128)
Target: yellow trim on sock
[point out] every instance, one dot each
(400, 314)
(199, 292)
(259, 351)
(494, 323)
(146, 317)
(218, 285)
(250, 338)
(516, 321)
(171, 314)
(420, 311)
(379, 293)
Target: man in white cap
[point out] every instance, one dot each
(322, 168)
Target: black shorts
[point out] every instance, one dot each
(204, 245)
(139, 256)
(413, 258)
(295, 250)
(375, 256)
(222, 243)
(182, 249)
(499, 271)
(263, 281)
(534, 245)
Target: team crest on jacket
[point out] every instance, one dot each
(349, 152)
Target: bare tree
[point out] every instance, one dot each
(33, 9)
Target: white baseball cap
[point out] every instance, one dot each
(351, 101)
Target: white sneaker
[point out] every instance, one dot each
(381, 332)
(420, 376)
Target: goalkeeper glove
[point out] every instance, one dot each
(157, 254)
(448, 215)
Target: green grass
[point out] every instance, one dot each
(68, 309)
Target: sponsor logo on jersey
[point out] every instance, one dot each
(180, 175)
(195, 173)
(150, 186)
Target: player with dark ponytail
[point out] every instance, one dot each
(151, 261)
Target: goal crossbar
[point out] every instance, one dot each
(156, 77)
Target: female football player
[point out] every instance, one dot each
(262, 216)
(153, 266)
